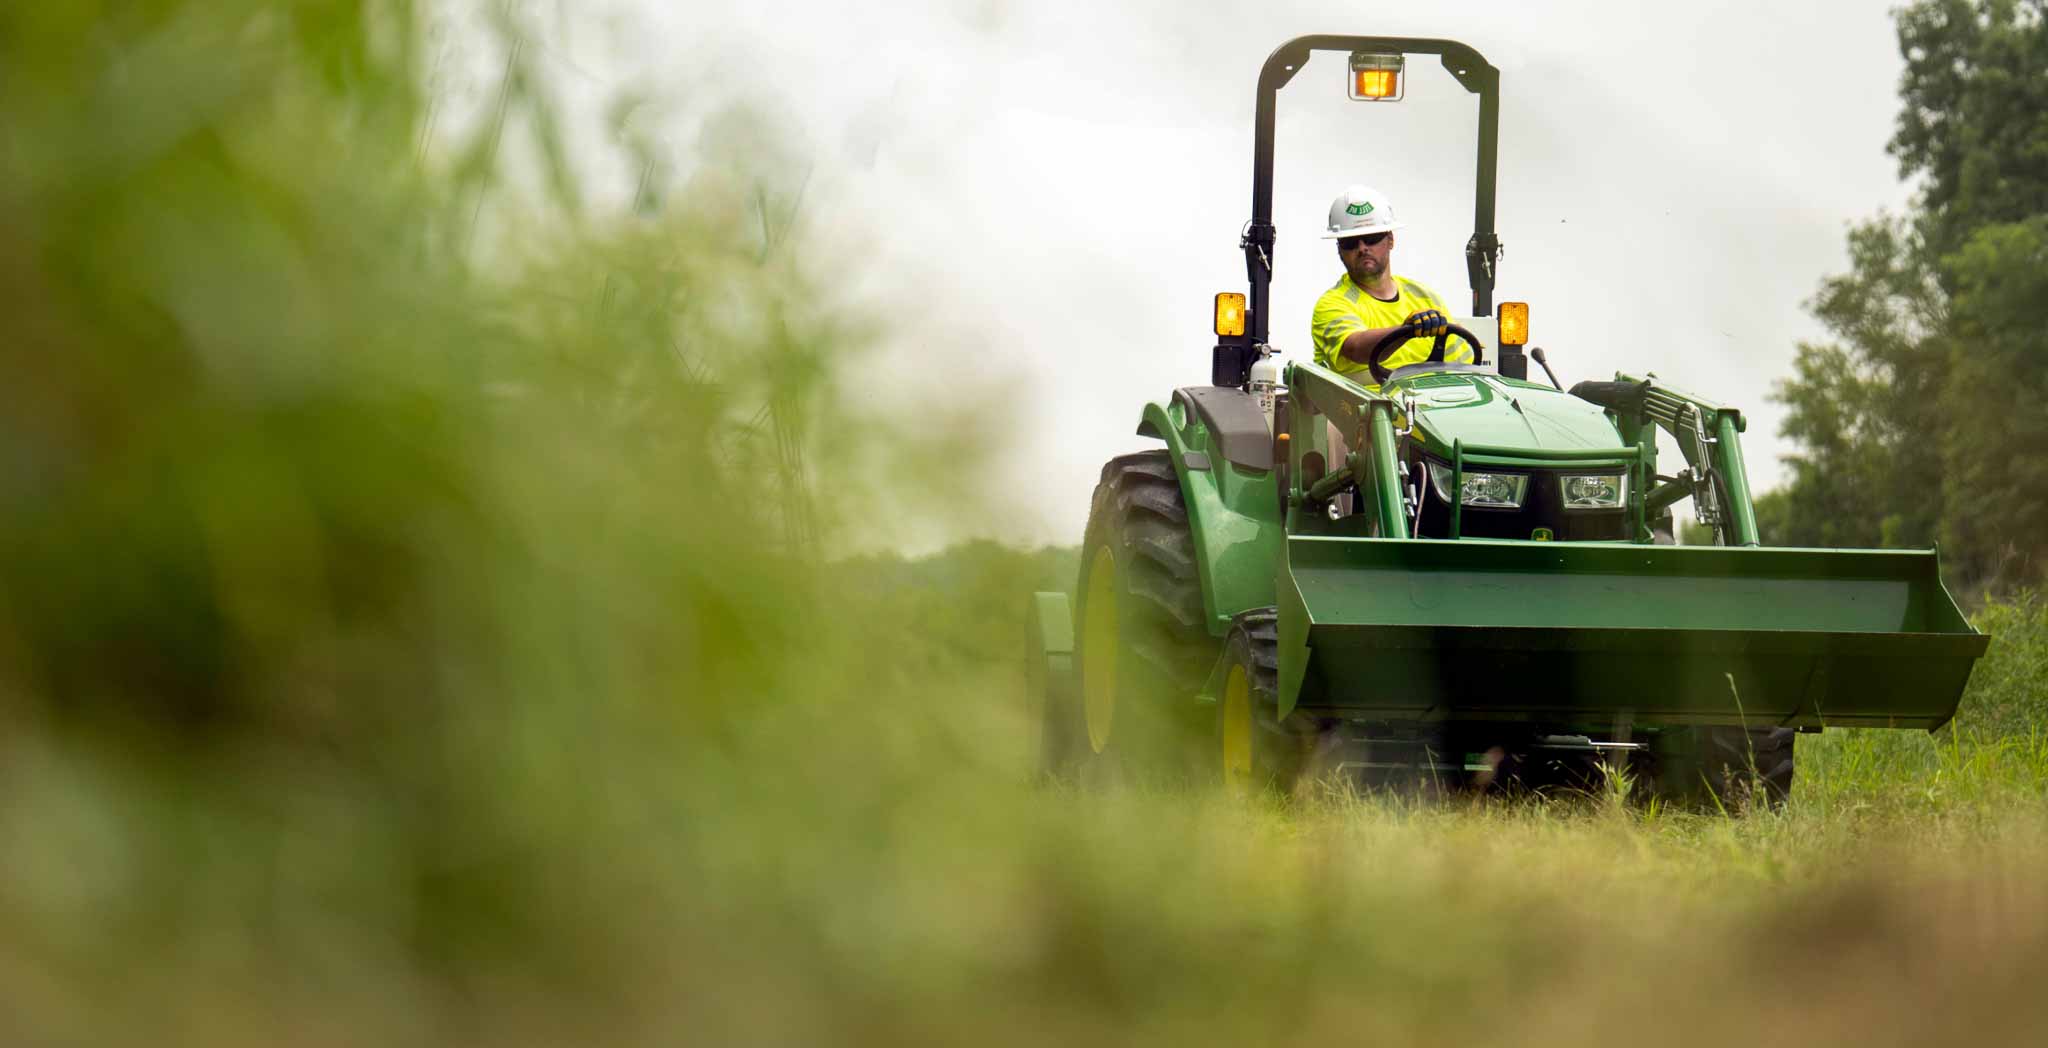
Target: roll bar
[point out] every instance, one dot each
(1482, 252)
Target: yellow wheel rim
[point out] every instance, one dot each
(1099, 649)
(1237, 728)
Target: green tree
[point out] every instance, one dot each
(1995, 443)
(1924, 417)
(1860, 408)
(1974, 116)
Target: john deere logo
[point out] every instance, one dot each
(1362, 208)
(1542, 535)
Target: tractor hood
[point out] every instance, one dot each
(1480, 408)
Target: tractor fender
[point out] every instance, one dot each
(1227, 482)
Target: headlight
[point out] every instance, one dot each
(1601, 492)
(1485, 490)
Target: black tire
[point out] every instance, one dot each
(1251, 748)
(1726, 769)
(1664, 530)
(1748, 768)
(1049, 682)
(1142, 659)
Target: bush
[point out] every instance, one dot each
(2008, 692)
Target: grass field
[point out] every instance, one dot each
(421, 621)
(862, 856)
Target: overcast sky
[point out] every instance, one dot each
(1045, 196)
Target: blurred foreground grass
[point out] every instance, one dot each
(413, 628)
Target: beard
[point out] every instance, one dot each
(1365, 270)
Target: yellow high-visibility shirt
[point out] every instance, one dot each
(1347, 308)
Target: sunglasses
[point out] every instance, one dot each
(1368, 240)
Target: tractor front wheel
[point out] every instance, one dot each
(1254, 748)
(1748, 768)
(1725, 767)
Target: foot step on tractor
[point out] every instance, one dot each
(1459, 578)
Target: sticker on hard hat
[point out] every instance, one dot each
(1363, 207)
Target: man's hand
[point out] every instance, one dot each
(1427, 322)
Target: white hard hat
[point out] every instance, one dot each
(1360, 210)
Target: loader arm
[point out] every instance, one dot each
(1709, 435)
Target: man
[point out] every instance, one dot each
(1369, 302)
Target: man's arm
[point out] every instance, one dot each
(1426, 323)
(1358, 345)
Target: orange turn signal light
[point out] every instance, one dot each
(1514, 323)
(1229, 314)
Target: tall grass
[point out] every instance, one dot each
(415, 627)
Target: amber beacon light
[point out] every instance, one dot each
(1376, 78)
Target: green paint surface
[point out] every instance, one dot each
(1483, 409)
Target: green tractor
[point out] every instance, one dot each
(1465, 577)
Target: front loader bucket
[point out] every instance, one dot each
(1475, 630)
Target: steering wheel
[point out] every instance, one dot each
(1400, 335)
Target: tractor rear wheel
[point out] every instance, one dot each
(1255, 749)
(1142, 646)
(1049, 682)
